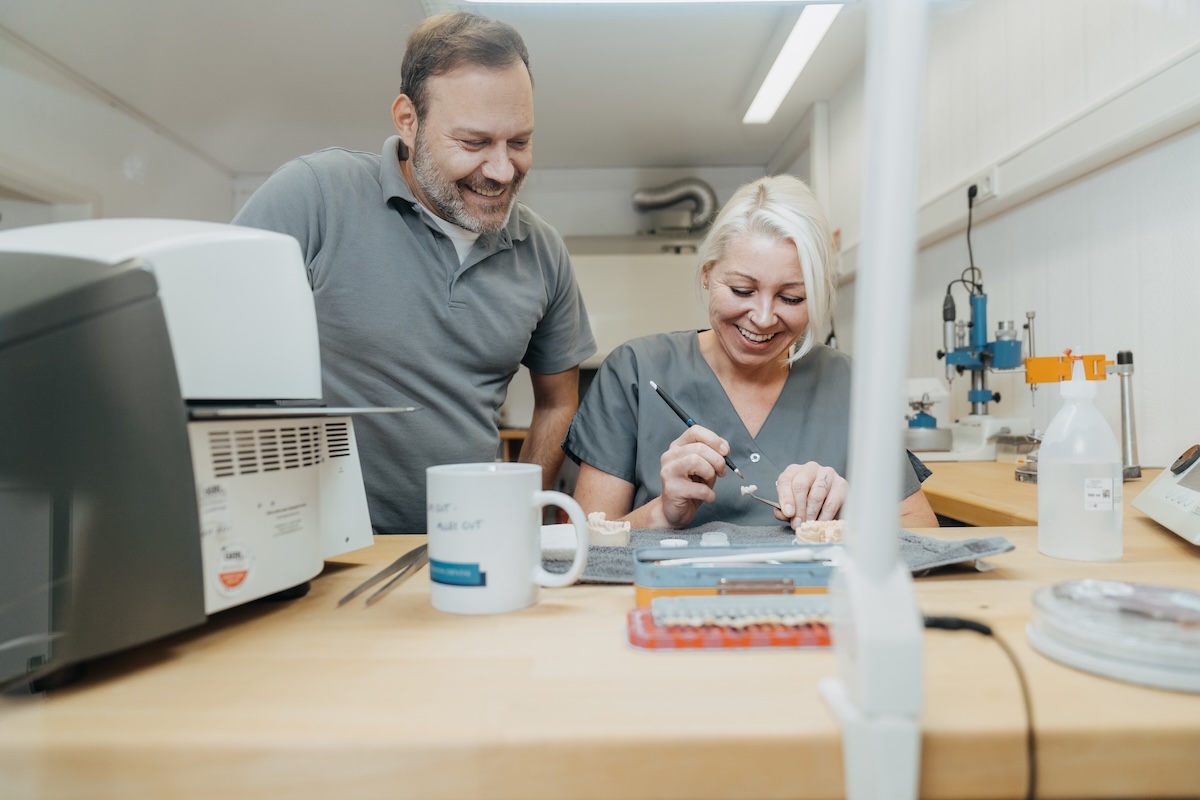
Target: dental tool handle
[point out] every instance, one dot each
(687, 420)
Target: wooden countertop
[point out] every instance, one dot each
(302, 699)
(987, 493)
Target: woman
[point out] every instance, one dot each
(757, 376)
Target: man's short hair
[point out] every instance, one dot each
(446, 41)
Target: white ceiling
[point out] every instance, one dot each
(251, 83)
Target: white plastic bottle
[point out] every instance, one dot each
(1080, 506)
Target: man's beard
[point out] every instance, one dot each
(447, 198)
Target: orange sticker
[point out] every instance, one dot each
(234, 578)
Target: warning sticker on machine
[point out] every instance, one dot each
(1098, 494)
(233, 568)
(214, 501)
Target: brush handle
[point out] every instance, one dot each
(687, 420)
(679, 412)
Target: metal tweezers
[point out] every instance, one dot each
(403, 567)
(771, 503)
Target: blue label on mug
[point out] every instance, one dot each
(456, 574)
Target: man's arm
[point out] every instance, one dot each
(555, 398)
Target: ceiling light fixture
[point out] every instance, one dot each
(810, 28)
(626, 2)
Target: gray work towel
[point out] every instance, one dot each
(922, 553)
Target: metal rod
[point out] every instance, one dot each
(978, 384)
(1129, 454)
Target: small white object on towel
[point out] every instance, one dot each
(558, 542)
(714, 539)
(604, 532)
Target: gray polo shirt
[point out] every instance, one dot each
(402, 322)
(623, 427)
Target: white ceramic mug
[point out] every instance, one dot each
(485, 543)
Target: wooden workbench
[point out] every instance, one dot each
(302, 699)
(987, 493)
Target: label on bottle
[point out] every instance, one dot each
(1098, 494)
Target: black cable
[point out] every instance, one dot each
(973, 287)
(961, 624)
(971, 192)
(976, 275)
(974, 283)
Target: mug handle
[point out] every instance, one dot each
(550, 579)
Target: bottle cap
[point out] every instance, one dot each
(1079, 386)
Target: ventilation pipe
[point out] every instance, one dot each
(693, 189)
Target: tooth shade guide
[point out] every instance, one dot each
(731, 621)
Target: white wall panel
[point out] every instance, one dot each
(961, 149)
(990, 47)
(1062, 42)
(1024, 70)
(1109, 56)
(1161, 28)
(846, 159)
(936, 108)
(15, 213)
(61, 137)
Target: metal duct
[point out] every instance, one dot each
(692, 189)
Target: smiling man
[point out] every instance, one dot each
(432, 283)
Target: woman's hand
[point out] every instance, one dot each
(810, 492)
(688, 471)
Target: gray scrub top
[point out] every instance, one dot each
(623, 427)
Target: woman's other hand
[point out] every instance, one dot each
(688, 471)
(810, 492)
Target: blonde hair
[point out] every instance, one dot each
(784, 208)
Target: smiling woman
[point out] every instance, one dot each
(758, 375)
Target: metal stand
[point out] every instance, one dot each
(1129, 456)
(877, 627)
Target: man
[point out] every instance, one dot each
(431, 282)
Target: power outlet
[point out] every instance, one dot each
(986, 185)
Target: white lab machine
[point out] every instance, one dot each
(973, 438)
(166, 453)
(1173, 498)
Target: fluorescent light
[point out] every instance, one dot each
(627, 2)
(797, 50)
